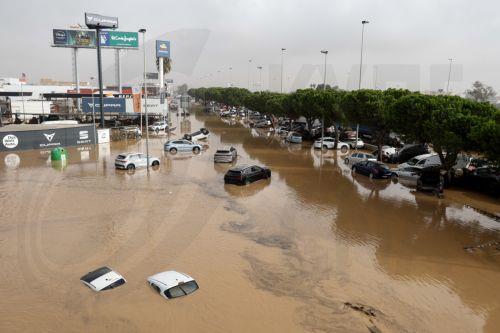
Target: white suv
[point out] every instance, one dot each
(329, 143)
(130, 161)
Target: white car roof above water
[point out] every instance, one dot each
(170, 278)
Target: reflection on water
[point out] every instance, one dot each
(284, 254)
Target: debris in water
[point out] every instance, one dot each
(472, 248)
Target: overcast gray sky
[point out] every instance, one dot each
(212, 35)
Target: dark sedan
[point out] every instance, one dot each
(372, 169)
(246, 174)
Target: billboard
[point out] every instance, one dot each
(47, 138)
(163, 49)
(99, 21)
(87, 39)
(74, 38)
(111, 104)
(119, 39)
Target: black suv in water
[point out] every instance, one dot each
(246, 174)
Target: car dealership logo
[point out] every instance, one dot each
(10, 141)
(84, 135)
(49, 137)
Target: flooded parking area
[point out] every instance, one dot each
(315, 248)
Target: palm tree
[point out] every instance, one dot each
(167, 65)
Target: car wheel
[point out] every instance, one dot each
(155, 163)
(130, 167)
(344, 149)
(173, 150)
(196, 150)
(346, 161)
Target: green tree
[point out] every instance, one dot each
(480, 92)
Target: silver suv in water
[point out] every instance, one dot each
(225, 155)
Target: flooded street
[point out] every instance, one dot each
(313, 249)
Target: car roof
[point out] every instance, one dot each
(132, 153)
(240, 167)
(225, 148)
(101, 278)
(170, 278)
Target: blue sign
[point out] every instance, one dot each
(163, 49)
(60, 36)
(104, 38)
(111, 104)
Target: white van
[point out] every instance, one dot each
(421, 161)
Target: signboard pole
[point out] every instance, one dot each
(99, 73)
(162, 84)
(75, 76)
(118, 70)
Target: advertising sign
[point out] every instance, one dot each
(74, 38)
(86, 38)
(47, 138)
(119, 39)
(99, 21)
(163, 49)
(111, 104)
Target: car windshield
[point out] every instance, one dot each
(413, 161)
(369, 156)
(91, 276)
(383, 166)
(115, 284)
(189, 287)
(222, 151)
(182, 289)
(121, 157)
(234, 172)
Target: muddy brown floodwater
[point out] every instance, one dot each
(314, 249)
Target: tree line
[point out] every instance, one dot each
(450, 124)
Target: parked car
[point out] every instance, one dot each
(352, 144)
(431, 180)
(130, 161)
(130, 132)
(198, 135)
(422, 161)
(329, 142)
(225, 155)
(173, 146)
(407, 152)
(359, 157)
(372, 169)
(103, 278)
(246, 174)
(485, 179)
(172, 284)
(294, 137)
(466, 164)
(158, 126)
(408, 173)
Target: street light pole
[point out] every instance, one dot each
(325, 52)
(360, 73)
(143, 31)
(93, 108)
(449, 76)
(282, 56)
(99, 73)
(230, 76)
(260, 77)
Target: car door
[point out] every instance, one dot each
(186, 145)
(141, 160)
(256, 173)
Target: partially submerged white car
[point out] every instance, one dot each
(172, 284)
(329, 142)
(103, 278)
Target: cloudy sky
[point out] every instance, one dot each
(407, 43)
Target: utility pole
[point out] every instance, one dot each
(325, 52)
(143, 31)
(248, 74)
(449, 77)
(260, 77)
(360, 73)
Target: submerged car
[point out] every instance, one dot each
(431, 180)
(225, 155)
(372, 169)
(294, 137)
(131, 161)
(103, 278)
(172, 284)
(359, 157)
(353, 145)
(246, 174)
(202, 134)
(158, 126)
(173, 146)
(329, 143)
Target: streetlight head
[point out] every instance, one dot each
(365, 22)
(142, 30)
(324, 51)
(259, 67)
(283, 49)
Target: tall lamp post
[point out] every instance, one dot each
(282, 56)
(325, 52)
(360, 73)
(230, 76)
(260, 77)
(248, 74)
(143, 32)
(93, 106)
(449, 76)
